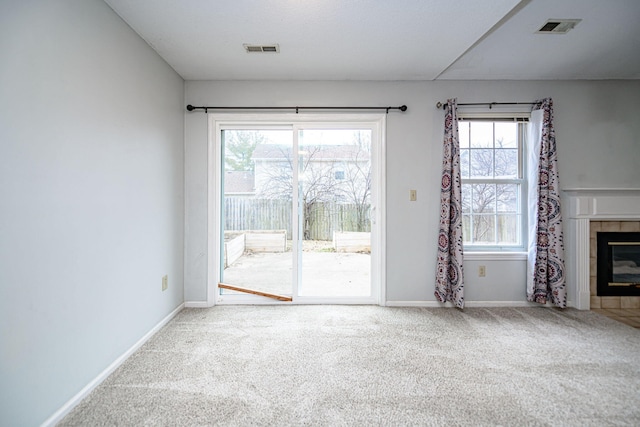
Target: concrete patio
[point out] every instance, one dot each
(324, 274)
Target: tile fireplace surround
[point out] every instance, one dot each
(590, 211)
(607, 302)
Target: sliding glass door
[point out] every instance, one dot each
(256, 210)
(334, 199)
(295, 203)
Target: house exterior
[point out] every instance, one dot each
(328, 172)
(239, 183)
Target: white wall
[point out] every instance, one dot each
(596, 129)
(91, 198)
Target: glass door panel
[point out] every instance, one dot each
(256, 210)
(334, 203)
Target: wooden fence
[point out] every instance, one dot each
(272, 214)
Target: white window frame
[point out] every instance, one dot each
(376, 122)
(522, 140)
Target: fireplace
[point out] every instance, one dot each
(618, 264)
(587, 213)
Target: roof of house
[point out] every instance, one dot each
(239, 182)
(317, 152)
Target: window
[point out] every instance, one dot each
(291, 162)
(493, 185)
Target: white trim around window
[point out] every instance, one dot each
(495, 256)
(376, 122)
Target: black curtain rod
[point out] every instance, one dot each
(401, 108)
(490, 104)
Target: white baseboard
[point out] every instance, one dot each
(469, 304)
(67, 407)
(196, 304)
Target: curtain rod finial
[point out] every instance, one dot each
(190, 107)
(439, 105)
(403, 108)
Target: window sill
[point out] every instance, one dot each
(495, 256)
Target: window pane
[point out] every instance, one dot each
(484, 198)
(506, 135)
(506, 163)
(466, 198)
(463, 134)
(464, 163)
(490, 154)
(507, 197)
(466, 229)
(481, 163)
(252, 189)
(484, 229)
(481, 134)
(508, 229)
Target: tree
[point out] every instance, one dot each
(362, 139)
(317, 181)
(327, 173)
(356, 187)
(488, 197)
(239, 146)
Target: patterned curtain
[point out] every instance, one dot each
(449, 273)
(546, 271)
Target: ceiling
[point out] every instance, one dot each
(390, 40)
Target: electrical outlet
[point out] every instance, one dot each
(482, 271)
(413, 195)
(165, 282)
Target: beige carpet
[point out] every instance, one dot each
(350, 365)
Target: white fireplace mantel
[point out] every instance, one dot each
(587, 205)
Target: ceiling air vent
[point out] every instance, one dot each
(261, 48)
(558, 26)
